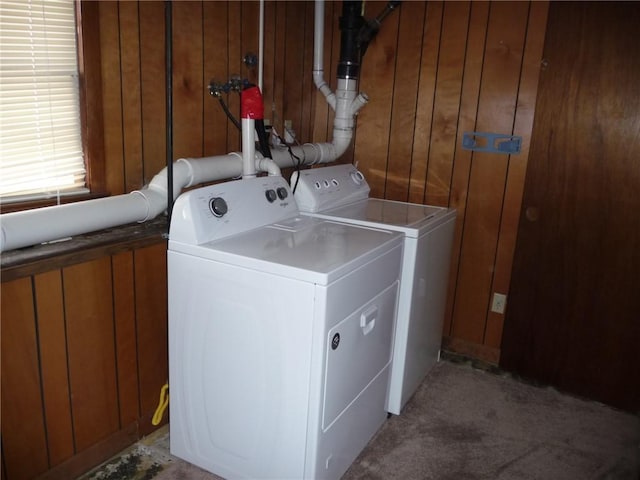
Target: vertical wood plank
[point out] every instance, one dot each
(53, 358)
(269, 57)
(88, 302)
(234, 56)
(151, 315)
(91, 115)
(308, 86)
(24, 442)
(188, 84)
(125, 333)
(455, 24)
(216, 123)
(462, 158)
(112, 97)
(249, 38)
(152, 88)
(523, 126)
(279, 68)
(131, 97)
(426, 97)
(496, 111)
(374, 121)
(293, 62)
(332, 56)
(405, 93)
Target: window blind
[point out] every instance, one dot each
(40, 130)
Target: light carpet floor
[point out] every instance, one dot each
(463, 423)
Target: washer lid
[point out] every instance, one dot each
(409, 218)
(305, 248)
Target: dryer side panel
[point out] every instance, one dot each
(239, 362)
(423, 297)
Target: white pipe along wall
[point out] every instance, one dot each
(30, 227)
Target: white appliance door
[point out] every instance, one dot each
(355, 319)
(358, 349)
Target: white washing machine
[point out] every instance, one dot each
(280, 333)
(341, 193)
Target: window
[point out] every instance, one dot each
(41, 149)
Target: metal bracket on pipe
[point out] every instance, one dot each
(491, 142)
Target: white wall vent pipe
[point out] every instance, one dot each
(248, 148)
(318, 53)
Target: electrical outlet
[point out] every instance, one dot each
(499, 303)
(289, 133)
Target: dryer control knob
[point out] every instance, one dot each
(282, 193)
(357, 177)
(218, 206)
(271, 195)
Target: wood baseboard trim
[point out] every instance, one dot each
(93, 456)
(481, 352)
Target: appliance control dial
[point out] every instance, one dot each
(271, 195)
(218, 206)
(357, 177)
(282, 193)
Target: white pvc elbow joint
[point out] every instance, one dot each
(269, 166)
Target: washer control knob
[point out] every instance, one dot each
(218, 206)
(357, 177)
(271, 195)
(282, 193)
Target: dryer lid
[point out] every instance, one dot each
(305, 248)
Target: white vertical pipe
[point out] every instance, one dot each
(318, 54)
(248, 148)
(318, 36)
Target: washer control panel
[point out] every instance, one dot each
(323, 188)
(217, 211)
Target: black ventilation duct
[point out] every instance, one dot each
(356, 33)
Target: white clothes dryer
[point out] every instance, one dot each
(341, 193)
(280, 333)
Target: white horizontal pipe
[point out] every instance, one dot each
(208, 169)
(30, 227)
(21, 229)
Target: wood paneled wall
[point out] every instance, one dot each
(435, 71)
(83, 353)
